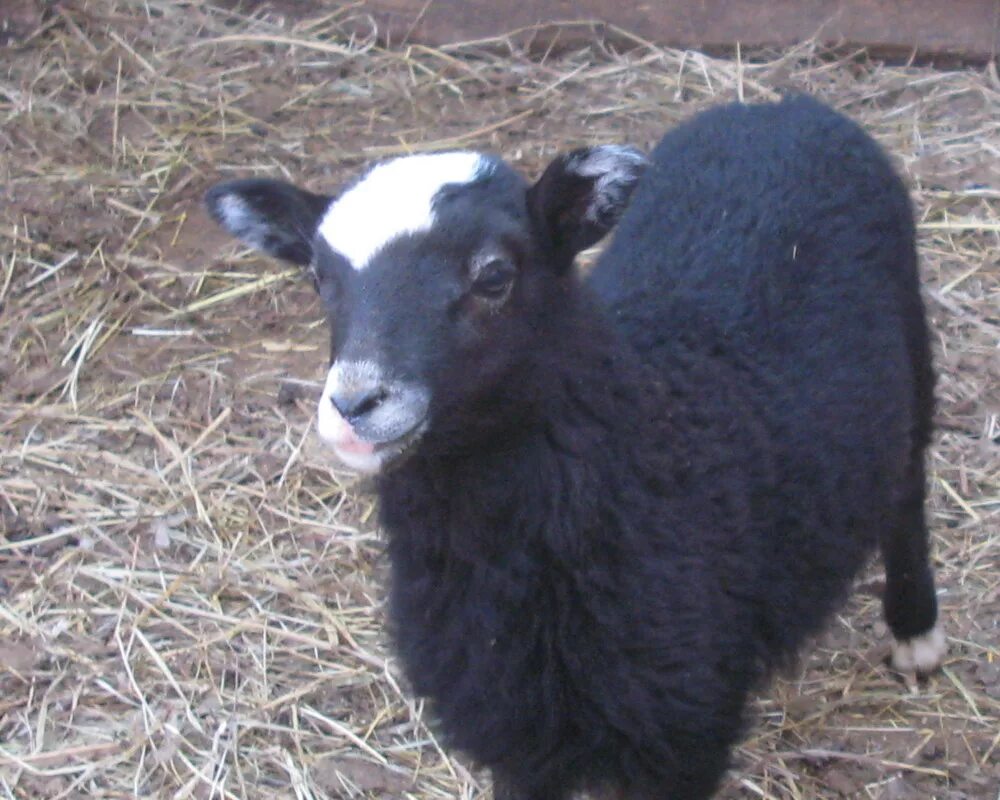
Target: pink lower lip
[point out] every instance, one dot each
(347, 441)
(356, 446)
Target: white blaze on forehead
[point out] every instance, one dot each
(393, 199)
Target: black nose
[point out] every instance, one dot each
(354, 403)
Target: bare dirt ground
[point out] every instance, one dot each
(190, 588)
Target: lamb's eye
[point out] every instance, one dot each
(493, 279)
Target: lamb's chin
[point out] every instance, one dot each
(366, 463)
(380, 458)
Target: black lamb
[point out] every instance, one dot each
(615, 502)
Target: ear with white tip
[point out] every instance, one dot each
(272, 216)
(582, 195)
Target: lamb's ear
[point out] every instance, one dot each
(272, 216)
(582, 194)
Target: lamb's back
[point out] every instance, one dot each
(777, 241)
(761, 217)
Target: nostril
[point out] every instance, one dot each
(352, 405)
(369, 403)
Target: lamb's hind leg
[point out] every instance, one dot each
(910, 603)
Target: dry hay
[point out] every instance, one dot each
(189, 590)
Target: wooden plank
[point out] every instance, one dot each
(958, 29)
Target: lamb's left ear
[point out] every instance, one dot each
(272, 216)
(582, 194)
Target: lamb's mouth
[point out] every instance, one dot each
(375, 457)
(397, 450)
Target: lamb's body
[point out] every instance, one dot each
(581, 603)
(615, 505)
(592, 597)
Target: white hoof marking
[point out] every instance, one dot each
(921, 654)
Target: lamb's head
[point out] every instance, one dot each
(437, 273)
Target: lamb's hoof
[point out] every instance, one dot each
(920, 655)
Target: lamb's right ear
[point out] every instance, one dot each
(272, 216)
(582, 195)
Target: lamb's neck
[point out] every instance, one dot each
(593, 381)
(582, 384)
(589, 403)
